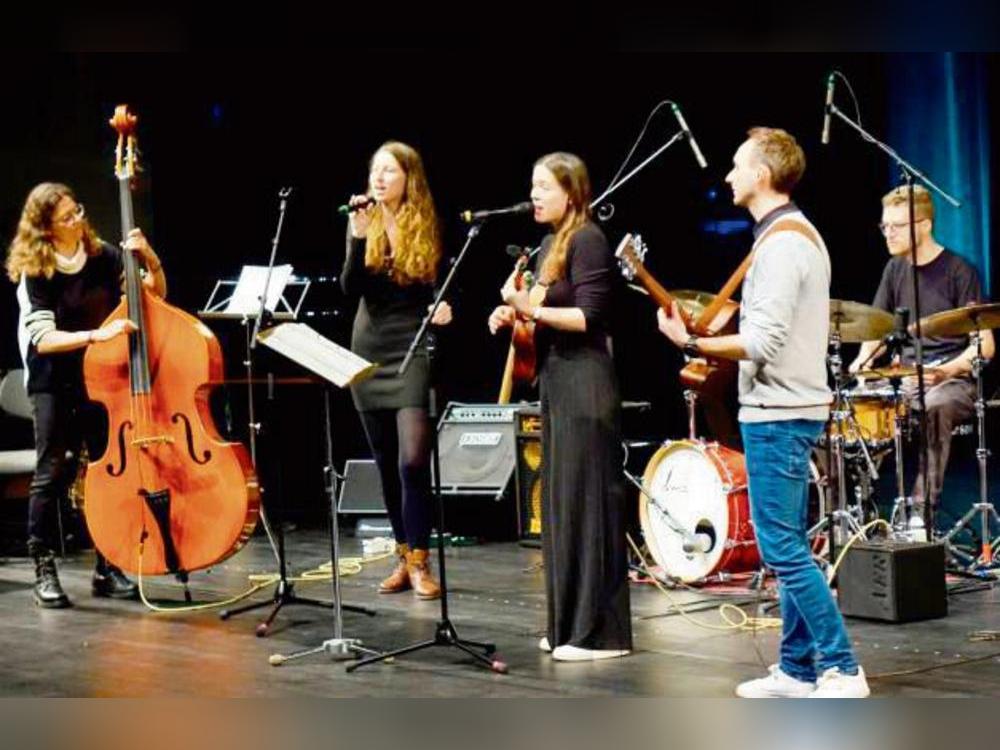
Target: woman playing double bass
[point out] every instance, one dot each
(69, 281)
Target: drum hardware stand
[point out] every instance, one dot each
(902, 507)
(984, 508)
(691, 402)
(840, 518)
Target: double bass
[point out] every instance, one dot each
(169, 495)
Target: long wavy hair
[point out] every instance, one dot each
(32, 252)
(571, 174)
(416, 258)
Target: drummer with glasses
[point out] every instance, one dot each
(946, 282)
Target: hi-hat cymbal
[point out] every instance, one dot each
(856, 322)
(961, 320)
(890, 372)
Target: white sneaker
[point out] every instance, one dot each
(543, 645)
(777, 684)
(575, 653)
(834, 684)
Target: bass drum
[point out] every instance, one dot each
(696, 515)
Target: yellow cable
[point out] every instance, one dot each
(742, 624)
(348, 566)
(832, 573)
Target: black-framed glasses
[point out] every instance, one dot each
(73, 217)
(888, 228)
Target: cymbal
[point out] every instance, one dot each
(693, 301)
(856, 322)
(892, 371)
(961, 320)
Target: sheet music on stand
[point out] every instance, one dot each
(243, 301)
(304, 346)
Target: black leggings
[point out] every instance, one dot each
(63, 424)
(400, 440)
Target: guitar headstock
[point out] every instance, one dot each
(127, 150)
(631, 254)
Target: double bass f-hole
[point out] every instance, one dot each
(122, 453)
(206, 455)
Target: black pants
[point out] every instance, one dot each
(400, 443)
(64, 422)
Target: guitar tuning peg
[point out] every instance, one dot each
(640, 247)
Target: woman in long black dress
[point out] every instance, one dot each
(69, 281)
(393, 252)
(583, 495)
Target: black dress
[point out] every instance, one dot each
(388, 317)
(583, 492)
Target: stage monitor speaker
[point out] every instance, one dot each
(893, 581)
(361, 490)
(529, 472)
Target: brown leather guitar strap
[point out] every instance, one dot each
(729, 288)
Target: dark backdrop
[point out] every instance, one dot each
(221, 133)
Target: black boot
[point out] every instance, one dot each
(48, 592)
(109, 581)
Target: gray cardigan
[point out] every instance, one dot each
(784, 325)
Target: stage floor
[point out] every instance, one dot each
(110, 648)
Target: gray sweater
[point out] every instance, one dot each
(784, 325)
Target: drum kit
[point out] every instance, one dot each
(693, 503)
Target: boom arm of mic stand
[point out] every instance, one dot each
(612, 188)
(903, 163)
(422, 333)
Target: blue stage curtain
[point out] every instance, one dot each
(939, 120)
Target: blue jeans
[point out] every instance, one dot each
(813, 637)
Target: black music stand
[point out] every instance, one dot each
(340, 367)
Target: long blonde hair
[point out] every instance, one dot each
(571, 174)
(416, 258)
(31, 252)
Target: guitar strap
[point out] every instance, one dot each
(729, 288)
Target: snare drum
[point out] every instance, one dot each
(696, 515)
(873, 417)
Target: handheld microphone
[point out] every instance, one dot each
(698, 156)
(825, 137)
(348, 209)
(519, 208)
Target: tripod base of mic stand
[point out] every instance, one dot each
(444, 635)
(284, 594)
(339, 649)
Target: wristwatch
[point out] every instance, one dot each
(690, 347)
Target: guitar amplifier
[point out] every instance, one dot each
(893, 581)
(477, 456)
(529, 472)
(476, 449)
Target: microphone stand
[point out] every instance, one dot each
(910, 175)
(444, 633)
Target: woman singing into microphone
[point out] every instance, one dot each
(583, 495)
(393, 252)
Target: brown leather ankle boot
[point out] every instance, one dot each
(399, 579)
(418, 566)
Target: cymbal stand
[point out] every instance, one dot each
(984, 508)
(899, 518)
(841, 522)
